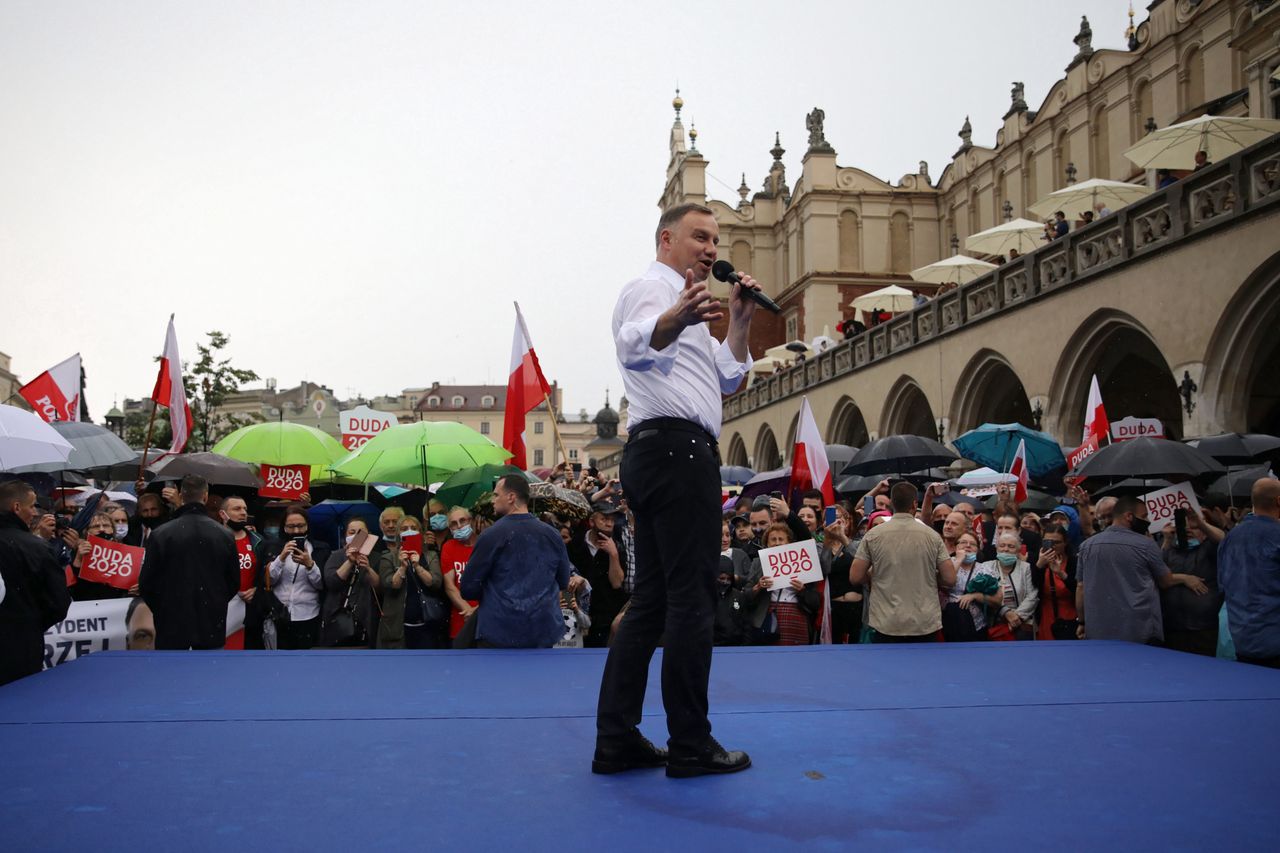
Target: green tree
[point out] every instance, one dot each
(208, 384)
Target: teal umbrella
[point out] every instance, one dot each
(993, 445)
(466, 486)
(420, 453)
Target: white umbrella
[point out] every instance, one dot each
(27, 440)
(892, 299)
(1175, 146)
(1021, 234)
(118, 497)
(766, 364)
(957, 268)
(824, 341)
(982, 477)
(1080, 197)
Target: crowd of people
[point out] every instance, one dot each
(899, 565)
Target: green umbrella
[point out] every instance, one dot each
(281, 443)
(465, 487)
(420, 453)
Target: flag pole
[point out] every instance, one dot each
(546, 396)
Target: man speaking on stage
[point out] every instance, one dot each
(675, 373)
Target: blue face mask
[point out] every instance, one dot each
(439, 521)
(970, 559)
(462, 533)
(1007, 559)
(1192, 544)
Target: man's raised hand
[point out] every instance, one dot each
(696, 304)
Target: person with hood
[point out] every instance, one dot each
(189, 573)
(33, 587)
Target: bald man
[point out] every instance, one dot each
(1249, 574)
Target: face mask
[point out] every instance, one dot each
(1140, 525)
(122, 530)
(439, 521)
(1192, 544)
(1007, 559)
(273, 532)
(237, 525)
(391, 537)
(462, 533)
(346, 540)
(149, 522)
(969, 559)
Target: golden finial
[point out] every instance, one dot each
(677, 102)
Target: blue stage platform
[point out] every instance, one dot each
(1000, 746)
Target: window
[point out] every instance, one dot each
(573, 455)
(433, 402)
(793, 326)
(458, 401)
(537, 457)
(487, 401)
(484, 427)
(537, 427)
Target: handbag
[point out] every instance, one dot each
(342, 628)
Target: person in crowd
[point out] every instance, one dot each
(1056, 567)
(389, 526)
(1164, 178)
(139, 627)
(742, 534)
(234, 514)
(1100, 209)
(1086, 218)
(516, 572)
(1249, 573)
(846, 599)
(1007, 522)
(938, 517)
(294, 570)
(190, 571)
(1191, 620)
(404, 578)
(86, 590)
(738, 563)
(596, 556)
(955, 525)
(1117, 577)
(34, 588)
(436, 516)
(809, 518)
(1031, 521)
(152, 512)
(907, 563)
(1060, 225)
(1019, 598)
(1102, 511)
(1201, 160)
(876, 500)
(119, 521)
(351, 584)
(790, 611)
(965, 604)
(454, 555)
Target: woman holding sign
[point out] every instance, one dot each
(785, 616)
(86, 590)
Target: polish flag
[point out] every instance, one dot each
(55, 394)
(1095, 415)
(526, 389)
(170, 392)
(1018, 469)
(811, 470)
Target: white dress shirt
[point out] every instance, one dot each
(297, 587)
(687, 378)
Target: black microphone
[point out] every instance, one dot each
(723, 270)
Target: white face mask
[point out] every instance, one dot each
(122, 529)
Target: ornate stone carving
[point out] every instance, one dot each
(966, 137)
(817, 139)
(1053, 270)
(1017, 285)
(1213, 200)
(1148, 229)
(1266, 177)
(951, 314)
(1084, 43)
(924, 325)
(981, 300)
(1099, 250)
(1017, 98)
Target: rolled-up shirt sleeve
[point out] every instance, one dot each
(729, 368)
(639, 314)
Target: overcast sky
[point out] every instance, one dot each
(356, 192)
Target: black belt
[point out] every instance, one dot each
(654, 426)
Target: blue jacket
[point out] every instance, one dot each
(1249, 575)
(516, 572)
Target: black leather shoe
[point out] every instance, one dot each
(712, 758)
(635, 752)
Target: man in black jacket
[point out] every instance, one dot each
(597, 558)
(35, 586)
(190, 572)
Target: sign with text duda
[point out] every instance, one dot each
(112, 563)
(797, 560)
(1161, 505)
(1082, 452)
(361, 424)
(1131, 427)
(285, 482)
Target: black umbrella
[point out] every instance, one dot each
(896, 454)
(765, 482)
(954, 499)
(1132, 486)
(92, 446)
(127, 471)
(217, 469)
(1238, 482)
(1037, 502)
(1149, 458)
(1233, 448)
(838, 455)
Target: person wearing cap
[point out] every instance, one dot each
(596, 556)
(675, 373)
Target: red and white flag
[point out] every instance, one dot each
(1095, 415)
(526, 389)
(55, 394)
(1018, 469)
(170, 392)
(811, 470)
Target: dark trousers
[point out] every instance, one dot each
(671, 473)
(298, 635)
(1203, 642)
